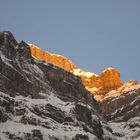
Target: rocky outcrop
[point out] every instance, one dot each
(108, 79)
(121, 107)
(55, 59)
(99, 85)
(122, 104)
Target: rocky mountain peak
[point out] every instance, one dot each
(99, 85)
(44, 96)
(8, 44)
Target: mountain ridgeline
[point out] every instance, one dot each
(44, 96)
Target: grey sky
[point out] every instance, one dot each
(94, 34)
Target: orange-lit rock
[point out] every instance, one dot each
(110, 78)
(133, 82)
(55, 59)
(89, 79)
(99, 85)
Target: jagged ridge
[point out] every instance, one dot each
(99, 85)
(42, 101)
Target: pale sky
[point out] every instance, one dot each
(94, 34)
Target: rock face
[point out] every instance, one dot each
(55, 59)
(108, 79)
(122, 110)
(41, 101)
(44, 102)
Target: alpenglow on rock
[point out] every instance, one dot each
(108, 80)
(46, 98)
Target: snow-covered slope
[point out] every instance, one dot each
(123, 111)
(40, 101)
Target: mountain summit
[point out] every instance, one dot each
(98, 85)
(44, 96)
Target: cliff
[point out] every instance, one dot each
(55, 59)
(49, 101)
(98, 85)
(40, 101)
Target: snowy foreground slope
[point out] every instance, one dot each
(39, 101)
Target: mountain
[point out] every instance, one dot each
(44, 96)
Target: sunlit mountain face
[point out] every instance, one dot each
(98, 85)
(45, 96)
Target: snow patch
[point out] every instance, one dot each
(6, 60)
(19, 129)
